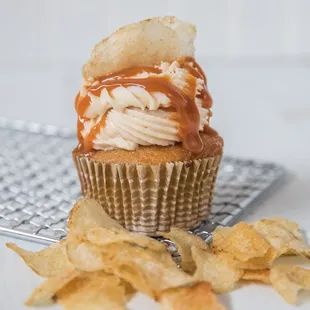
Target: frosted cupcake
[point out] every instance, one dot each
(146, 152)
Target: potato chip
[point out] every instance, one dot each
(257, 275)
(242, 242)
(219, 235)
(281, 237)
(134, 275)
(184, 241)
(301, 276)
(45, 294)
(257, 263)
(196, 297)
(216, 269)
(289, 280)
(96, 290)
(87, 214)
(49, 262)
(146, 270)
(83, 254)
(145, 43)
(102, 237)
(289, 225)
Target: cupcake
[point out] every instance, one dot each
(146, 151)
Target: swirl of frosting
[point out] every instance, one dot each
(158, 105)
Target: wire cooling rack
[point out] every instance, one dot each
(39, 183)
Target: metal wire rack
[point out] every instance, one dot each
(39, 184)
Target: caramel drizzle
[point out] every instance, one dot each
(196, 71)
(183, 102)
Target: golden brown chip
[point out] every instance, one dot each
(216, 269)
(281, 237)
(289, 225)
(96, 290)
(145, 43)
(87, 214)
(257, 275)
(146, 270)
(289, 280)
(45, 294)
(242, 242)
(301, 276)
(184, 241)
(219, 235)
(257, 262)
(134, 275)
(49, 262)
(103, 237)
(83, 254)
(195, 297)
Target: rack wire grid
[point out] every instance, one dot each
(39, 183)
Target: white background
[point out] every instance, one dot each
(256, 55)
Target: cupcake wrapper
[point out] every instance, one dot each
(146, 198)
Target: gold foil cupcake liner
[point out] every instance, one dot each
(146, 198)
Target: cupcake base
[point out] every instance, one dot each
(148, 198)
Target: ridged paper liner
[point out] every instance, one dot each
(146, 198)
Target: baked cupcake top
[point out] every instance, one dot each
(141, 87)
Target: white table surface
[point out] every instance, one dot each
(261, 109)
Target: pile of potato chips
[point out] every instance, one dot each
(102, 265)
(247, 252)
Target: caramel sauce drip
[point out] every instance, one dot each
(182, 101)
(209, 131)
(196, 71)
